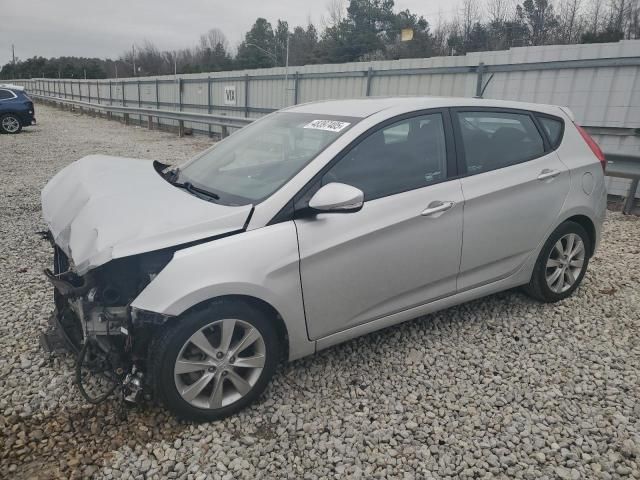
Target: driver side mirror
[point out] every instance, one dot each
(337, 198)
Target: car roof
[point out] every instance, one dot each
(364, 107)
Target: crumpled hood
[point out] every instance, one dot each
(100, 208)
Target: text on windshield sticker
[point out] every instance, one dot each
(329, 125)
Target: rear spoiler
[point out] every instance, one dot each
(12, 87)
(568, 112)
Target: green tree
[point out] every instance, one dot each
(257, 49)
(280, 36)
(541, 20)
(303, 46)
(422, 43)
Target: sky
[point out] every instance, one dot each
(106, 28)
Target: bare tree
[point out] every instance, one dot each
(440, 35)
(618, 16)
(595, 14)
(632, 21)
(212, 39)
(570, 22)
(470, 14)
(336, 12)
(499, 10)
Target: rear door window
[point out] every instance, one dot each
(6, 94)
(493, 139)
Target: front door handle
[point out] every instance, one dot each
(548, 173)
(437, 207)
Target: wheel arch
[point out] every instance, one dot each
(586, 223)
(258, 303)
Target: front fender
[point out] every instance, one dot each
(262, 263)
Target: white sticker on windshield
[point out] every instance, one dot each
(329, 125)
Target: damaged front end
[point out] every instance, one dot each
(94, 320)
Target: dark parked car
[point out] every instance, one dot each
(16, 109)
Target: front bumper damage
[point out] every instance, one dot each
(94, 321)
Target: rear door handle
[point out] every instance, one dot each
(437, 207)
(548, 173)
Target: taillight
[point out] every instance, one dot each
(593, 146)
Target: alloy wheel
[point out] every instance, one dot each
(220, 363)
(10, 124)
(565, 263)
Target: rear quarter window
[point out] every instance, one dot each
(6, 94)
(553, 128)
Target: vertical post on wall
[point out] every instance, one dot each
(110, 94)
(124, 98)
(80, 90)
(246, 95)
(138, 87)
(631, 196)
(296, 86)
(73, 96)
(209, 102)
(369, 76)
(479, 73)
(98, 90)
(180, 94)
(64, 88)
(89, 90)
(157, 102)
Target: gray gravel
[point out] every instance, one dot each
(498, 388)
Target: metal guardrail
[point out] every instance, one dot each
(223, 121)
(625, 166)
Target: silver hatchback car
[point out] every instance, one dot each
(311, 226)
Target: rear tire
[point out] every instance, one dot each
(226, 352)
(10, 123)
(561, 265)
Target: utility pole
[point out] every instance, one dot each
(13, 54)
(286, 75)
(133, 59)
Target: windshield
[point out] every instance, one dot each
(257, 160)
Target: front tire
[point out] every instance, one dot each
(9, 123)
(561, 265)
(214, 361)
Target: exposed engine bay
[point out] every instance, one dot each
(93, 320)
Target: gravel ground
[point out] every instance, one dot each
(497, 388)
